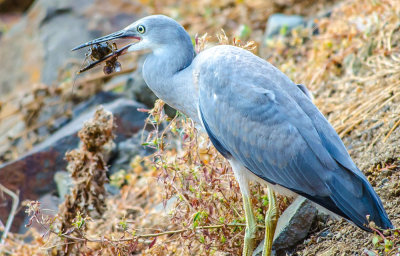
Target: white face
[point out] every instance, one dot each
(154, 32)
(141, 29)
(143, 44)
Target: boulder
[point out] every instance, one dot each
(64, 183)
(39, 46)
(32, 174)
(99, 98)
(293, 225)
(35, 48)
(278, 23)
(127, 150)
(12, 6)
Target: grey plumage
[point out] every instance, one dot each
(257, 116)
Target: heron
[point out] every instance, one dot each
(265, 125)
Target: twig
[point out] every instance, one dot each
(377, 231)
(391, 130)
(10, 219)
(170, 232)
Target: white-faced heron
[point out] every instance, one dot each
(256, 117)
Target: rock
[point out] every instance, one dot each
(166, 207)
(35, 48)
(57, 42)
(64, 183)
(10, 128)
(99, 98)
(36, 53)
(282, 24)
(112, 190)
(127, 150)
(39, 45)
(293, 225)
(11, 6)
(278, 23)
(258, 251)
(326, 233)
(32, 174)
(369, 253)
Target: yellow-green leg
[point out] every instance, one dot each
(241, 174)
(271, 219)
(251, 226)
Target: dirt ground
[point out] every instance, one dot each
(341, 238)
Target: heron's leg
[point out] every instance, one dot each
(271, 219)
(251, 225)
(241, 174)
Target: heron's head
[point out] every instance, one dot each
(152, 32)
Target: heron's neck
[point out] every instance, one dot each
(168, 73)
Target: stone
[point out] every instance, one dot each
(32, 174)
(278, 22)
(258, 251)
(326, 233)
(12, 6)
(127, 150)
(39, 45)
(166, 207)
(36, 48)
(293, 225)
(99, 98)
(10, 128)
(64, 183)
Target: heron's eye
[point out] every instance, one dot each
(141, 29)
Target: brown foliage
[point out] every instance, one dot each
(88, 171)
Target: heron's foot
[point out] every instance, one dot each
(249, 243)
(271, 219)
(251, 228)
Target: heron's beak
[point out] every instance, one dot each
(125, 33)
(122, 34)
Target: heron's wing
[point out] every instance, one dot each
(304, 89)
(251, 115)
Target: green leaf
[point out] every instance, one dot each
(223, 239)
(388, 245)
(122, 223)
(265, 200)
(244, 31)
(196, 216)
(202, 239)
(284, 30)
(375, 241)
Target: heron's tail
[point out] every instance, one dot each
(356, 208)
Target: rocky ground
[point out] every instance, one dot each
(345, 52)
